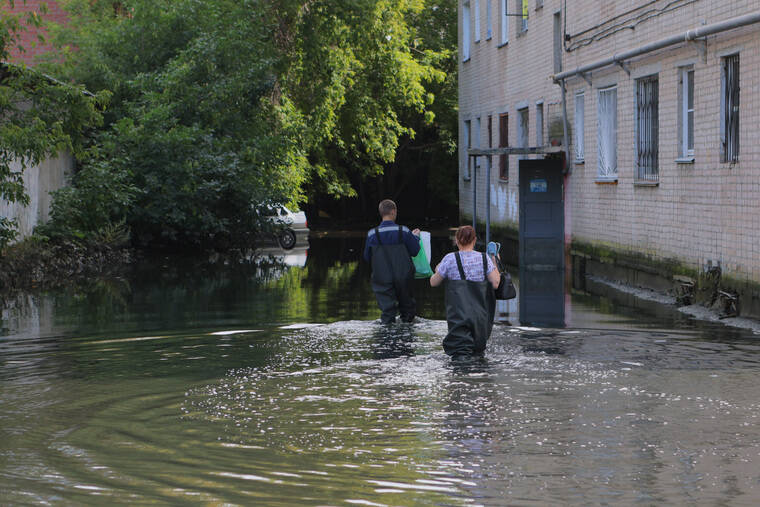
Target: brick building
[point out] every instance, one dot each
(29, 39)
(664, 171)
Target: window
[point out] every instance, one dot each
(467, 132)
(477, 20)
(489, 20)
(522, 8)
(539, 4)
(557, 43)
(607, 134)
(522, 129)
(647, 130)
(729, 105)
(539, 124)
(579, 117)
(490, 131)
(504, 23)
(466, 30)
(686, 113)
(503, 143)
(478, 160)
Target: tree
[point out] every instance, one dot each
(221, 105)
(40, 116)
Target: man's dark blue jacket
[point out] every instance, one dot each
(389, 236)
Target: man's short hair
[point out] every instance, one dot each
(386, 207)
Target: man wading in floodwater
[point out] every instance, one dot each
(390, 249)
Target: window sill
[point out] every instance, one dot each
(477, 41)
(489, 37)
(646, 183)
(685, 160)
(466, 60)
(606, 181)
(579, 161)
(504, 180)
(503, 44)
(466, 178)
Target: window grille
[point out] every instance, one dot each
(647, 134)
(607, 134)
(579, 123)
(730, 102)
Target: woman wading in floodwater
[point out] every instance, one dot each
(471, 278)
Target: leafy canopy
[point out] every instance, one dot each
(221, 105)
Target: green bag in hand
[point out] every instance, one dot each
(422, 259)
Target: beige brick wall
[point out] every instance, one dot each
(699, 212)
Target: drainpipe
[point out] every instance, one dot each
(474, 192)
(488, 199)
(688, 35)
(568, 160)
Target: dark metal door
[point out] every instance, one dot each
(542, 243)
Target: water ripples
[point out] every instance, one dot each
(359, 413)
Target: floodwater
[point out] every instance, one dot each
(271, 383)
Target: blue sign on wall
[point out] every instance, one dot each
(538, 185)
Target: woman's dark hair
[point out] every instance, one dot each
(465, 235)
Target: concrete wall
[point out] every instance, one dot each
(701, 212)
(39, 181)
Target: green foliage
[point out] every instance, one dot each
(98, 199)
(220, 105)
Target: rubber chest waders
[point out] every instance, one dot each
(470, 308)
(392, 277)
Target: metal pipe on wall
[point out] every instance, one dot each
(474, 192)
(488, 199)
(688, 35)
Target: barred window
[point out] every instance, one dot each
(647, 130)
(730, 109)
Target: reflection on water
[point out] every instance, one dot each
(266, 384)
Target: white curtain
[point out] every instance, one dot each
(607, 133)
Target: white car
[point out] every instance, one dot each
(296, 227)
